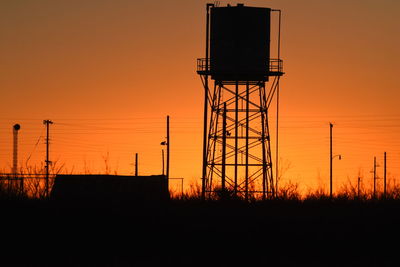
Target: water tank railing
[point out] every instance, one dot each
(275, 65)
(202, 64)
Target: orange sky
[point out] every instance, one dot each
(108, 72)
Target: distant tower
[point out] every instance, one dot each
(16, 128)
(236, 145)
(47, 161)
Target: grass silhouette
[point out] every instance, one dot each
(292, 229)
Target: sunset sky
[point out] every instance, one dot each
(107, 73)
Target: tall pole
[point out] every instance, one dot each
(168, 146)
(374, 177)
(136, 165)
(48, 162)
(330, 160)
(384, 175)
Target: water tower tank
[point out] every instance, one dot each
(239, 43)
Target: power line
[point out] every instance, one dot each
(34, 148)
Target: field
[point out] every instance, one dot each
(190, 232)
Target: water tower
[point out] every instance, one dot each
(16, 128)
(237, 67)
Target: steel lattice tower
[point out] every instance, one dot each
(237, 158)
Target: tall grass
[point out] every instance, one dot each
(29, 183)
(34, 187)
(290, 192)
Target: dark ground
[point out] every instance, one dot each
(191, 233)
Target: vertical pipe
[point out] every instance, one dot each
(15, 151)
(277, 109)
(277, 141)
(330, 160)
(236, 135)
(223, 148)
(384, 175)
(204, 171)
(208, 6)
(16, 128)
(279, 37)
(247, 143)
(136, 165)
(168, 155)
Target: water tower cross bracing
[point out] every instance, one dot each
(235, 73)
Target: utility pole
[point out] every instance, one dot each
(374, 177)
(136, 165)
(330, 161)
(168, 146)
(47, 161)
(384, 174)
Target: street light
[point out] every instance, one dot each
(338, 155)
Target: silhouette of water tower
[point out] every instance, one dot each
(236, 146)
(16, 128)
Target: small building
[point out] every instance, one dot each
(112, 187)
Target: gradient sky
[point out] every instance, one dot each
(109, 72)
